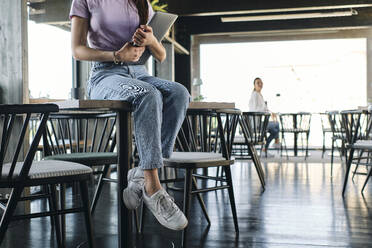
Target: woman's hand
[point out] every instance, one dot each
(129, 53)
(144, 36)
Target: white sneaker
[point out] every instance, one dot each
(269, 155)
(165, 210)
(132, 194)
(276, 145)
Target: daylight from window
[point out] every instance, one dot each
(308, 75)
(50, 61)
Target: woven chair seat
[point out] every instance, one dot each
(239, 140)
(196, 159)
(363, 144)
(87, 158)
(295, 130)
(48, 169)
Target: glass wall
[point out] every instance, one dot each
(308, 75)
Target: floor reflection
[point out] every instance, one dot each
(301, 207)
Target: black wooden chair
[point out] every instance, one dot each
(326, 128)
(254, 127)
(358, 138)
(338, 134)
(204, 142)
(85, 138)
(18, 173)
(296, 124)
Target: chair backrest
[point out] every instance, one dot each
(228, 120)
(335, 121)
(324, 120)
(202, 129)
(351, 122)
(15, 137)
(295, 122)
(198, 132)
(254, 126)
(80, 132)
(366, 126)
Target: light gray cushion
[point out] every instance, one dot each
(194, 157)
(47, 169)
(239, 139)
(363, 144)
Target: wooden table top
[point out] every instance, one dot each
(122, 105)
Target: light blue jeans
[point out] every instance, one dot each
(159, 106)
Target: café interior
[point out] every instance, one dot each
(293, 174)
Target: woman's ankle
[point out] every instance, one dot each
(151, 189)
(152, 182)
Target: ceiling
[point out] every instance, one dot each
(204, 16)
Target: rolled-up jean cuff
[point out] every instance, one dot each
(150, 166)
(167, 152)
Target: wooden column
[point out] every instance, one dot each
(13, 52)
(14, 66)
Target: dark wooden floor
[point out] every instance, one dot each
(301, 207)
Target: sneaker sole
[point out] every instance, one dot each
(127, 195)
(174, 229)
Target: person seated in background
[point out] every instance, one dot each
(258, 104)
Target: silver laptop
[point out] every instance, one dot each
(160, 22)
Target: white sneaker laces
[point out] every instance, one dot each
(165, 206)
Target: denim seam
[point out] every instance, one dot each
(151, 166)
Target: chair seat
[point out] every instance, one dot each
(197, 159)
(87, 158)
(48, 169)
(363, 144)
(241, 141)
(295, 130)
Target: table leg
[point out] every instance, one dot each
(295, 135)
(124, 148)
(295, 144)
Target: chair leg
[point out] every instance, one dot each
(88, 217)
(62, 198)
(232, 198)
(201, 201)
(257, 164)
(323, 148)
(56, 219)
(333, 148)
(285, 145)
(307, 145)
(141, 220)
(187, 202)
(217, 174)
(8, 213)
(357, 164)
(257, 161)
(366, 181)
(348, 166)
(99, 187)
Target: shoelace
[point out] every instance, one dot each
(165, 206)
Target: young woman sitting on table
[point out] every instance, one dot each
(258, 104)
(103, 32)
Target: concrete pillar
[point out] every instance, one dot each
(13, 52)
(369, 68)
(165, 70)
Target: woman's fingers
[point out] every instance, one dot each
(140, 33)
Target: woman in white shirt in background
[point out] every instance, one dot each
(258, 104)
